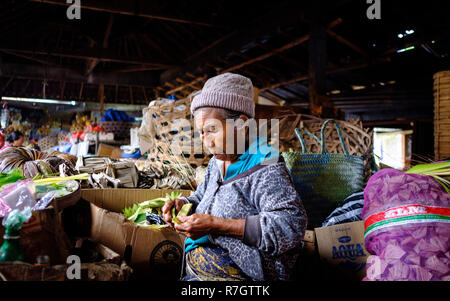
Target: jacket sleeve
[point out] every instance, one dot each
(200, 191)
(281, 222)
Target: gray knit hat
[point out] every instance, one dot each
(228, 91)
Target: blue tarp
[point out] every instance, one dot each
(135, 155)
(113, 115)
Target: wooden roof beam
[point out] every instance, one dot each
(103, 55)
(94, 62)
(25, 71)
(126, 8)
(282, 15)
(276, 51)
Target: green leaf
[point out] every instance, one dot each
(140, 218)
(174, 216)
(185, 210)
(136, 214)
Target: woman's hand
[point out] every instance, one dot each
(196, 225)
(167, 209)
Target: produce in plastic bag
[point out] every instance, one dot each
(10, 250)
(18, 195)
(406, 217)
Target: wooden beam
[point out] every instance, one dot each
(317, 53)
(289, 45)
(174, 38)
(129, 8)
(145, 94)
(101, 96)
(346, 42)
(25, 71)
(182, 87)
(134, 68)
(276, 51)
(80, 94)
(193, 86)
(31, 58)
(131, 95)
(104, 55)
(211, 45)
(304, 77)
(94, 62)
(287, 13)
(63, 87)
(283, 57)
(154, 45)
(25, 88)
(7, 83)
(271, 70)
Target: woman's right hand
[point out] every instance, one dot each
(167, 209)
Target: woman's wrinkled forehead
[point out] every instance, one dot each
(206, 116)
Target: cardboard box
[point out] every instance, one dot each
(342, 246)
(150, 252)
(105, 150)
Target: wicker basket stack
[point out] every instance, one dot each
(359, 140)
(442, 115)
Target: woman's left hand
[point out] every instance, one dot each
(196, 225)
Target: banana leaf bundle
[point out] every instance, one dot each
(33, 162)
(138, 212)
(440, 171)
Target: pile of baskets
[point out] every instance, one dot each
(359, 140)
(121, 129)
(442, 115)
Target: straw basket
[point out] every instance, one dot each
(442, 115)
(121, 129)
(359, 140)
(171, 127)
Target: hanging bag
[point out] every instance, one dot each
(324, 180)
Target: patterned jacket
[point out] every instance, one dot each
(275, 217)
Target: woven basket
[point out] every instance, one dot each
(171, 122)
(442, 115)
(358, 140)
(121, 129)
(47, 142)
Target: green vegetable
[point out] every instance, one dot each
(129, 212)
(11, 176)
(174, 216)
(155, 203)
(142, 217)
(137, 212)
(183, 212)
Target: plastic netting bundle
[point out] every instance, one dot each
(407, 222)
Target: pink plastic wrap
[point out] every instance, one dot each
(407, 222)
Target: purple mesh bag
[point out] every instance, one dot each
(407, 228)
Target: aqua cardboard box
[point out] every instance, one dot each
(342, 246)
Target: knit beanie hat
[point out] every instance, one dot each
(228, 91)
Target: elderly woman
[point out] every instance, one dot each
(248, 221)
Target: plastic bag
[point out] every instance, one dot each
(16, 196)
(406, 217)
(350, 211)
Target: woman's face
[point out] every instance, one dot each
(18, 142)
(218, 137)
